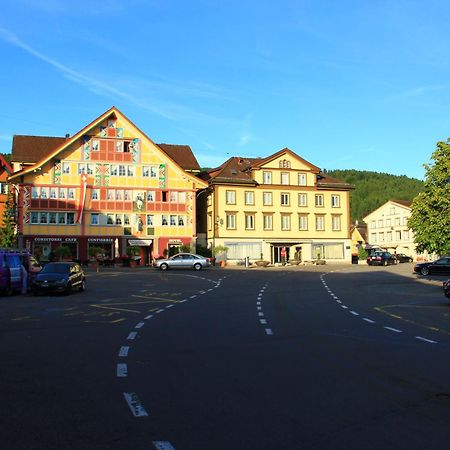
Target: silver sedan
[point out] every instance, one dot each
(183, 261)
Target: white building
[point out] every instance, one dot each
(387, 228)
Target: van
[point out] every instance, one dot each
(11, 277)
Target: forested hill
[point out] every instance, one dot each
(372, 189)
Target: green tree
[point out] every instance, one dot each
(8, 225)
(430, 210)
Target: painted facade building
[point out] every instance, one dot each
(387, 228)
(5, 172)
(280, 209)
(108, 186)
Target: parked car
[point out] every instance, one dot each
(381, 259)
(402, 258)
(11, 274)
(446, 286)
(59, 277)
(439, 266)
(183, 261)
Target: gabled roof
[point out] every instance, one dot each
(406, 204)
(234, 170)
(5, 165)
(281, 152)
(30, 149)
(53, 150)
(182, 154)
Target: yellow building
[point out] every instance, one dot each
(280, 208)
(108, 186)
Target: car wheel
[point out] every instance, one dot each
(82, 285)
(163, 266)
(424, 270)
(197, 266)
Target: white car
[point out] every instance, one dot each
(183, 261)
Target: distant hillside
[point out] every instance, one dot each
(372, 189)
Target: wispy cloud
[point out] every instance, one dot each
(5, 138)
(164, 108)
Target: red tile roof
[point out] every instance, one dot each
(182, 155)
(31, 149)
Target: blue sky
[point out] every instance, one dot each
(345, 84)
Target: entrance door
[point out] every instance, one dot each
(280, 254)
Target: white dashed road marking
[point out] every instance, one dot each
(135, 404)
(139, 325)
(268, 331)
(368, 320)
(426, 340)
(393, 329)
(132, 335)
(122, 370)
(123, 352)
(163, 445)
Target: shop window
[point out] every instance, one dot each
(126, 219)
(70, 218)
(43, 217)
(34, 217)
(61, 218)
(52, 217)
(109, 219)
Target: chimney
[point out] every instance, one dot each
(67, 136)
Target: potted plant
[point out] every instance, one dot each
(134, 253)
(219, 253)
(62, 252)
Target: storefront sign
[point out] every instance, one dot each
(70, 239)
(140, 242)
(47, 239)
(175, 241)
(100, 240)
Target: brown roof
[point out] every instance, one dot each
(31, 149)
(234, 170)
(326, 181)
(182, 155)
(406, 203)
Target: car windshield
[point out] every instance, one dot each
(56, 268)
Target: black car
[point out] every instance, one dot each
(381, 259)
(402, 258)
(446, 286)
(59, 277)
(440, 266)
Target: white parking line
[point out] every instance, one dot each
(354, 313)
(343, 306)
(192, 296)
(123, 352)
(139, 325)
(132, 335)
(426, 340)
(148, 317)
(169, 306)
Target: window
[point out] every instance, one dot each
(81, 168)
(336, 222)
(61, 218)
(94, 219)
(230, 197)
(320, 222)
(173, 221)
(284, 199)
(164, 196)
(335, 201)
(302, 179)
(284, 178)
(249, 197)
(389, 236)
(268, 221)
(267, 198)
(110, 219)
(126, 219)
(398, 235)
(65, 168)
(153, 171)
(380, 223)
(95, 194)
(52, 192)
(182, 197)
(114, 170)
(150, 196)
(89, 169)
(127, 195)
(150, 220)
(130, 171)
(145, 171)
(231, 221)
(181, 221)
(122, 171)
(35, 192)
(406, 235)
(164, 220)
(173, 197)
(381, 236)
(43, 217)
(284, 164)
(303, 222)
(249, 221)
(52, 217)
(319, 200)
(119, 194)
(285, 222)
(267, 177)
(111, 194)
(34, 217)
(44, 192)
(95, 145)
(71, 194)
(373, 223)
(119, 146)
(302, 199)
(62, 193)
